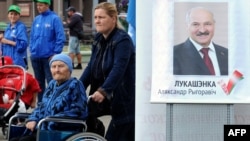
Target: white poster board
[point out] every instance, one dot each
(232, 31)
(151, 118)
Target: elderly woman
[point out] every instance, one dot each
(15, 39)
(64, 97)
(111, 74)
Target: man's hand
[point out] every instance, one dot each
(1, 36)
(5, 41)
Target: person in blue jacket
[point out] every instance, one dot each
(46, 39)
(15, 38)
(65, 96)
(111, 75)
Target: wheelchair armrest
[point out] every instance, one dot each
(15, 116)
(62, 120)
(70, 118)
(18, 115)
(22, 114)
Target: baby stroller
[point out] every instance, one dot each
(12, 86)
(17, 89)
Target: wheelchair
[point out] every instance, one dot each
(46, 135)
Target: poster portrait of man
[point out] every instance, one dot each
(200, 39)
(198, 35)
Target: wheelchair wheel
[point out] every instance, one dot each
(86, 136)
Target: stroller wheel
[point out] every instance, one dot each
(3, 124)
(5, 133)
(4, 129)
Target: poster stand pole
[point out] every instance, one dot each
(197, 122)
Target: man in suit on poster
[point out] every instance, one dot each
(189, 57)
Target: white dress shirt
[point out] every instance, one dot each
(211, 53)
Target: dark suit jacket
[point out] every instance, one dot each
(187, 60)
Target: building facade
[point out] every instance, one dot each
(28, 9)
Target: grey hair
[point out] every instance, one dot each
(195, 8)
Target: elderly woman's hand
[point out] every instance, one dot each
(31, 125)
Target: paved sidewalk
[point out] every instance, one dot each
(75, 73)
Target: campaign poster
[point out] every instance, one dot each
(177, 73)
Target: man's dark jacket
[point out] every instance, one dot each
(187, 60)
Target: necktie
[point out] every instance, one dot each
(207, 60)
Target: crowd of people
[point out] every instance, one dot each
(110, 73)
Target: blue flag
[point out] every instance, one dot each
(131, 19)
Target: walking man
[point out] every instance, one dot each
(75, 24)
